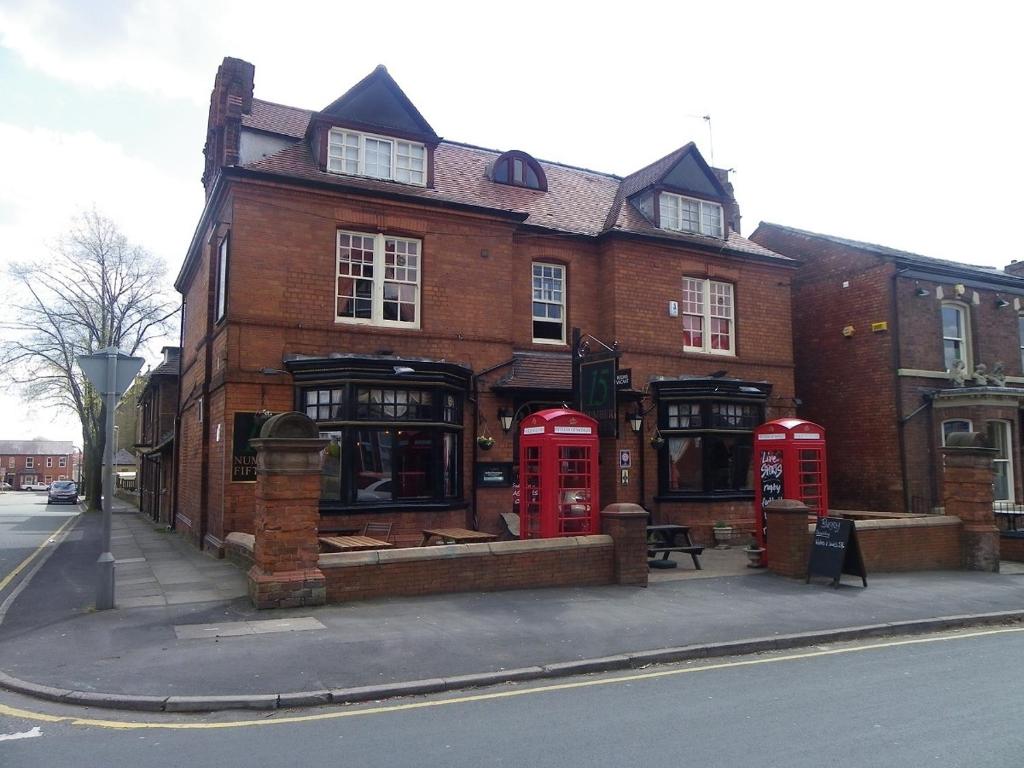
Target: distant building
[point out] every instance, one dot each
(894, 351)
(157, 405)
(24, 462)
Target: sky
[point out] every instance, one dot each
(898, 123)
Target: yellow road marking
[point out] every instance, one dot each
(7, 579)
(387, 708)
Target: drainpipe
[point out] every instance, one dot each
(474, 397)
(896, 363)
(175, 462)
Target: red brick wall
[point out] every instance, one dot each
(469, 568)
(1011, 548)
(475, 309)
(16, 474)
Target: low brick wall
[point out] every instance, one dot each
(1011, 547)
(910, 544)
(562, 562)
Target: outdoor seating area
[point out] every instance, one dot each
(667, 538)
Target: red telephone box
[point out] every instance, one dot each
(790, 456)
(558, 476)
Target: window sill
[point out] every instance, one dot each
(701, 496)
(328, 508)
(389, 324)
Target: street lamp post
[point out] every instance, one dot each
(110, 371)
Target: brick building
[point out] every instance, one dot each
(157, 408)
(24, 462)
(406, 291)
(893, 352)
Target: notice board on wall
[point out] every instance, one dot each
(835, 551)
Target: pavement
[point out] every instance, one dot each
(184, 636)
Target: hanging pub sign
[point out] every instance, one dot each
(835, 551)
(597, 393)
(243, 456)
(624, 378)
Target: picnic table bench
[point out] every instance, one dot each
(662, 539)
(352, 543)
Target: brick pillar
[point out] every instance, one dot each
(967, 482)
(788, 540)
(285, 571)
(627, 525)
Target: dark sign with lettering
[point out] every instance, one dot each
(597, 392)
(771, 483)
(835, 551)
(243, 456)
(624, 378)
(494, 474)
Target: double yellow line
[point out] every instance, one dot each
(24, 563)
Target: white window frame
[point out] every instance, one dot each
(222, 280)
(555, 297)
(1020, 331)
(701, 307)
(703, 216)
(49, 462)
(970, 428)
(347, 154)
(966, 353)
(379, 278)
(30, 462)
(62, 462)
(1007, 430)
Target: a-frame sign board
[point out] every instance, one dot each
(835, 551)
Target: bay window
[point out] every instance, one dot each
(707, 444)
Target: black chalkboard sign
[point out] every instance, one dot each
(835, 551)
(771, 483)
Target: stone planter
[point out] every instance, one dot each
(723, 535)
(756, 557)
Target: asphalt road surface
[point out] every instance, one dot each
(950, 700)
(26, 522)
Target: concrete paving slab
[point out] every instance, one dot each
(235, 629)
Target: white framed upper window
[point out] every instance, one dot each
(687, 214)
(956, 334)
(62, 461)
(954, 425)
(379, 157)
(378, 280)
(548, 303)
(999, 436)
(49, 462)
(709, 317)
(30, 462)
(1020, 332)
(222, 279)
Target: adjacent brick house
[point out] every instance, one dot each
(405, 290)
(893, 352)
(158, 405)
(24, 462)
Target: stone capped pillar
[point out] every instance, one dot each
(285, 571)
(967, 474)
(627, 525)
(788, 543)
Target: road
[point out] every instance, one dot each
(26, 522)
(950, 700)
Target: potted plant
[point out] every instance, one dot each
(723, 534)
(485, 442)
(755, 554)
(657, 440)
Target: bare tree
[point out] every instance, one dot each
(96, 290)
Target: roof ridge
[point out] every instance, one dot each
(499, 152)
(279, 104)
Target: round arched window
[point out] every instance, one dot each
(520, 170)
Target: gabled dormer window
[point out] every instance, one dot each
(379, 157)
(688, 214)
(520, 170)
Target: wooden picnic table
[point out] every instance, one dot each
(353, 543)
(455, 536)
(665, 539)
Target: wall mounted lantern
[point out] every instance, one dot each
(505, 417)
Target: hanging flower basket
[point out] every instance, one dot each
(485, 442)
(657, 441)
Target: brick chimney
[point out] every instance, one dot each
(1015, 268)
(732, 208)
(231, 98)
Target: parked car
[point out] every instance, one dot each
(63, 491)
(5, 486)
(35, 487)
